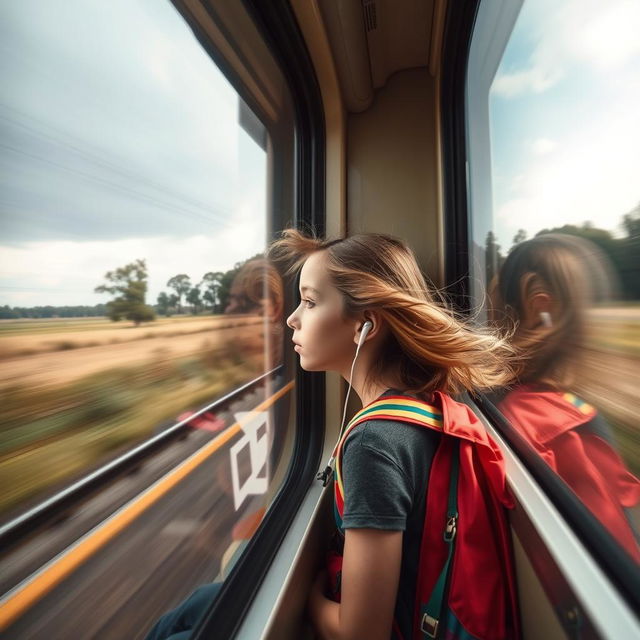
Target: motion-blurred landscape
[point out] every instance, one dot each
(611, 375)
(78, 391)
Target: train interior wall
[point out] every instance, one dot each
(392, 170)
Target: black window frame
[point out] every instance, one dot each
(459, 28)
(277, 25)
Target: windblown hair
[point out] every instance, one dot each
(428, 347)
(574, 273)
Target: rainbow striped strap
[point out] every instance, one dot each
(399, 408)
(579, 404)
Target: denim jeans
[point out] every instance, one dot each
(178, 623)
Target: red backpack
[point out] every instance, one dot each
(465, 588)
(550, 420)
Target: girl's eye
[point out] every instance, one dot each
(309, 304)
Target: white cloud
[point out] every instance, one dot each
(66, 272)
(543, 146)
(603, 36)
(608, 37)
(592, 175)
(535, 79)
(71, 270)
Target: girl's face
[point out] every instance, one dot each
(325, 339)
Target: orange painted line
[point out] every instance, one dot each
(36, 586)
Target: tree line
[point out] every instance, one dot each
(129, 283)
(48, 311)
(623, 253)
(128, 286)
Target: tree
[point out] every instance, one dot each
(129, 285)
(631, 223)
(163, 304)
(181, 284)
(212, 281)
(623, 253)
(521, 236)
(226, 281)
(193, 298)
(167, 304)
(7, 313)
(493, 257)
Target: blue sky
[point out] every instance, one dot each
(565, 132)
(119, 139)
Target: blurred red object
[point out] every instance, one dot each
(207, 421)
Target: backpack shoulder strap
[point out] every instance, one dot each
(398, 408)
(431, 612)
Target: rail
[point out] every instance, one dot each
(15, 530)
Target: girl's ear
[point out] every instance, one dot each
(541, 302)
(375, 319)
(535, 300)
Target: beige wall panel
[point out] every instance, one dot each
(392, 167)
(536, 612)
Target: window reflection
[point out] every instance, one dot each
(555, 234)
(542, 296)
(244, 475)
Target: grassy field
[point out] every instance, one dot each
(65, 411)
(31, 337)
(610, 375)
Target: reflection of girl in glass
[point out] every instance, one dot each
(544, 290)
(257, 288)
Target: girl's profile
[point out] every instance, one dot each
(416, 354)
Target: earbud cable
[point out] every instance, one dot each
(325, 475)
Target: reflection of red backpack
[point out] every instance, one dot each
(588, 464)
(465, 587)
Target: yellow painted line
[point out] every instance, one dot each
(35, 587)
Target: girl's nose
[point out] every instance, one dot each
(290, 320)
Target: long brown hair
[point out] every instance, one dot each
(574, 274)
(428, 345)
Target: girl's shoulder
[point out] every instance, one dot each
(389, 455)
(398, 440)
(378, 430)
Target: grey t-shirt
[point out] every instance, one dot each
(385, 471)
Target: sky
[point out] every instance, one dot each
(119, 140)
(564, 105)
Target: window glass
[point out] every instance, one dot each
(553, 134)
(138, 190)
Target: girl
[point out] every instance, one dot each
(544, 290)
(415, 349)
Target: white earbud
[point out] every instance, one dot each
(545, 317)
(366, 327)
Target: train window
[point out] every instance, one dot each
(552, 139)
(147, 157)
